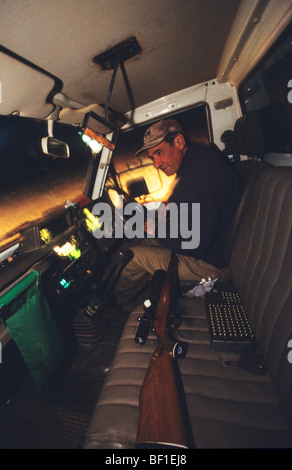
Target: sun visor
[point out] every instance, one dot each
(25, 89)
(91, 116)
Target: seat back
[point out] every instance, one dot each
(249, 136)
(248, 140)
(261, 268)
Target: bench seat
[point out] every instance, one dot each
(229, 407)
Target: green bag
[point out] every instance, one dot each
(33, 328)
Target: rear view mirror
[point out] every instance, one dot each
(52, 146)
(55, 147)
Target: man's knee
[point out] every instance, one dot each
(137, 261)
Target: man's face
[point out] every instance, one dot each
(168, 158)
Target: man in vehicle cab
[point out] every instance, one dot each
(203, 179)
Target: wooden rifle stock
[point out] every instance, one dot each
(163, 420)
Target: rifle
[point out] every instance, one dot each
(150, 306)
(163, 419)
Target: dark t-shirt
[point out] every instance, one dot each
(206, 178)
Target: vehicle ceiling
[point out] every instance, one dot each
(182, 43)
(64, 36)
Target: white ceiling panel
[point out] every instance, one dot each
(181, 40)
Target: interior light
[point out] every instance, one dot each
(91, 221)
(99, 138)
(92, 143)
(75, 253)
(68, 250)
(63, 250)
(95, 146)
(45, 235)
(85, 138)
(64, 283)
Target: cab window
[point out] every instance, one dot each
(137, 176)
(267, 90)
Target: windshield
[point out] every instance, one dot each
(33, 184)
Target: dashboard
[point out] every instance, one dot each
(63, 251)
(59, 246)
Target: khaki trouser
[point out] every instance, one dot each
(149, 257)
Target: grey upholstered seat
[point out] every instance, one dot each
(229, 407)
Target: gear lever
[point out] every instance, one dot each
(101, 295)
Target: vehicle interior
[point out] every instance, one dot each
(80, 83)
